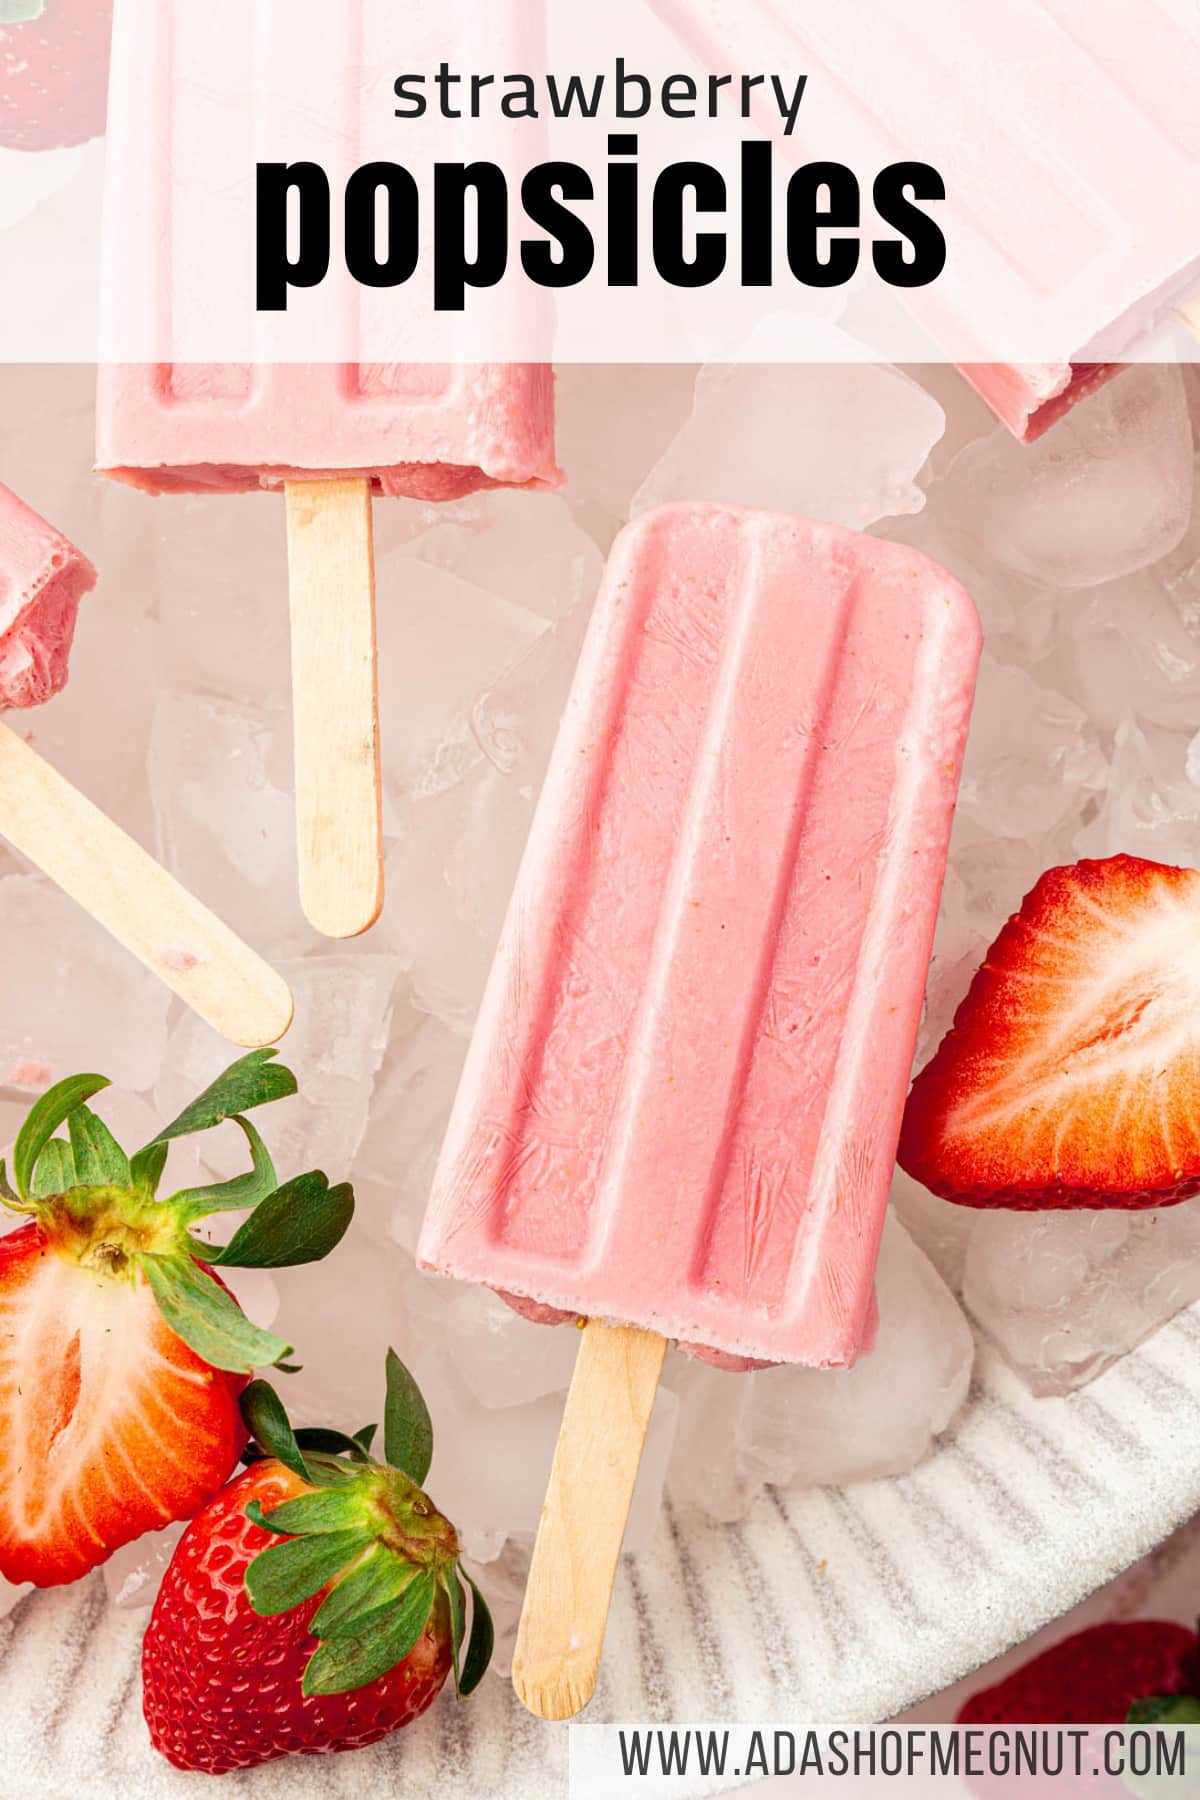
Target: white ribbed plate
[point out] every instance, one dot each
(841, 1604)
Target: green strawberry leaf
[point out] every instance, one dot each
(453, 1590)
(251, 1081)
(238, 1195)
(365, 1437)
(329, 1509)
(375, 1582)
(8, 1194)
(17, 12)
(99, 1159)
(483, 1642)
(208, 1319)
(300, 1223)
(311, 1437)
(380, 1640)
(266, 1420)
(407, 1427)
(146, 1168)
(288, 1574)
(55, 1171)
(1165, 1709)
(43, 1120)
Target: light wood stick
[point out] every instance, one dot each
(583, 1520)
(335, 690)
(131, 895)
(1189, 312)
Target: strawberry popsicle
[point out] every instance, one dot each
(43, 578)
(681, 1104)
(332, 423)
(679, 1113)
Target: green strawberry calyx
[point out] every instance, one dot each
(367, 1538)
(1165, 1709)
(19, 12)
(99, 1207)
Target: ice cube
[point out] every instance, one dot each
(614, 422)
(501, 1358)
(1105, 493)
(442, 642)
(343, 1010)
(794, 1427)
(1064, 1293)
(1152, 805)
(526, 549)
(220, 573)
(815, 1428)
(1033, 760)
(459, 841)
(938, 1227)
(842, 441)
(221, 782)
(72, 996)
(133, 1575)
(1131, 648)
(491, 1465)
(704, 1470)
(413, 1096)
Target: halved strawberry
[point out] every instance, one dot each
(122, 1353)
(1071, 1074)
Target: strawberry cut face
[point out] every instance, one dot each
(113, 1426)
(1071, 1074)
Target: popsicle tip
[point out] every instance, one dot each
(267, 1019)
(553, 1697)
(339, 909)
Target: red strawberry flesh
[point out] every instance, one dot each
(1070, 1076)
(113, 1426)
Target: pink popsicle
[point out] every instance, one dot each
(427, 432)
(43, 578)
(681, 1102)
(1031, 397)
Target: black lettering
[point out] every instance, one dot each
(414, 102)
(542, 193)
(403, 225)
(277, 269)
(455, 271)
(896, 187)
(809, 214)
(707, 263)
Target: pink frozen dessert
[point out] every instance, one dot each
(1031, 397)
(42, 580)
(429, 432)
(682, 1099)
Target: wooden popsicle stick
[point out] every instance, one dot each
(134, 898)
(583, 1520)
(335, 695)
(1189, 312)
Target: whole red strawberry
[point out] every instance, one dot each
(53, 72)
(1069, 1076)
(316, 1605)
(1141, 1672)
(122, 1353)
(1093, 1678)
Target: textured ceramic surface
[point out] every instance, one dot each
(831, 1605)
